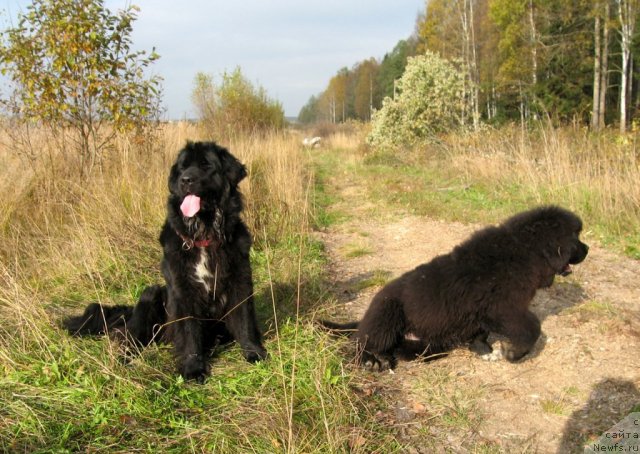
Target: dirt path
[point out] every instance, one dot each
(582, 377)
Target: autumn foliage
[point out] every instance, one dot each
(75, 75)
(234, 107)
(431, 99)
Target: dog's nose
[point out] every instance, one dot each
(186, 180)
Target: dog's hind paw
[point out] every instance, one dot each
(378, 362)
(495, 355)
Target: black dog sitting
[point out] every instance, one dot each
(209, 287)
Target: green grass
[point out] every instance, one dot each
(77, 397)
(428, 191)
(325, 197)
(572, 391)
(595, 308)
(62, 394)
(425, 189)
(555, 406)
(352, 251)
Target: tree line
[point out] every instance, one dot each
(355, 93)
(572, 60)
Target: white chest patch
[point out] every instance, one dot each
(202, 273)
(411, 337)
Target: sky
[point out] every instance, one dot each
(291, 48)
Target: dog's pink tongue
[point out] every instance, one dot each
(190, 205)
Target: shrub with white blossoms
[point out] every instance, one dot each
(430, 99)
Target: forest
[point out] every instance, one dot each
(570, 60)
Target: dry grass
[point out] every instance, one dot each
(76, 240)
(70, 240)
(347, 138)
(277, 190)
(489, 175)
(599, 174)
(64, 242)
(60, 222)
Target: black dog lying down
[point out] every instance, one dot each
(484, 285)
(209, 288)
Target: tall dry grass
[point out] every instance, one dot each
(597, 174)
(65, 241)
(52, 219)
(70, 241)
(277, 189)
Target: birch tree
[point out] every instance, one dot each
(604, 66)
(601, 15)
(469, 55)
(627, 15)
(597, 73)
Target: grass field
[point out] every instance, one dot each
(65, 242)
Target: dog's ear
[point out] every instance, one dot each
(173, 177)
(233, 169)
(560, 246)
(557, 255)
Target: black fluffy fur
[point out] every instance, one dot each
(140, 324)
(484, 285)
(209, 289)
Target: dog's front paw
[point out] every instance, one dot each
(480, 347)
(512, 354)
(507, 351)
(255, 353)
(194, 368)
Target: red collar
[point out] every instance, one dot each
(202, 243)
(189, 243)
